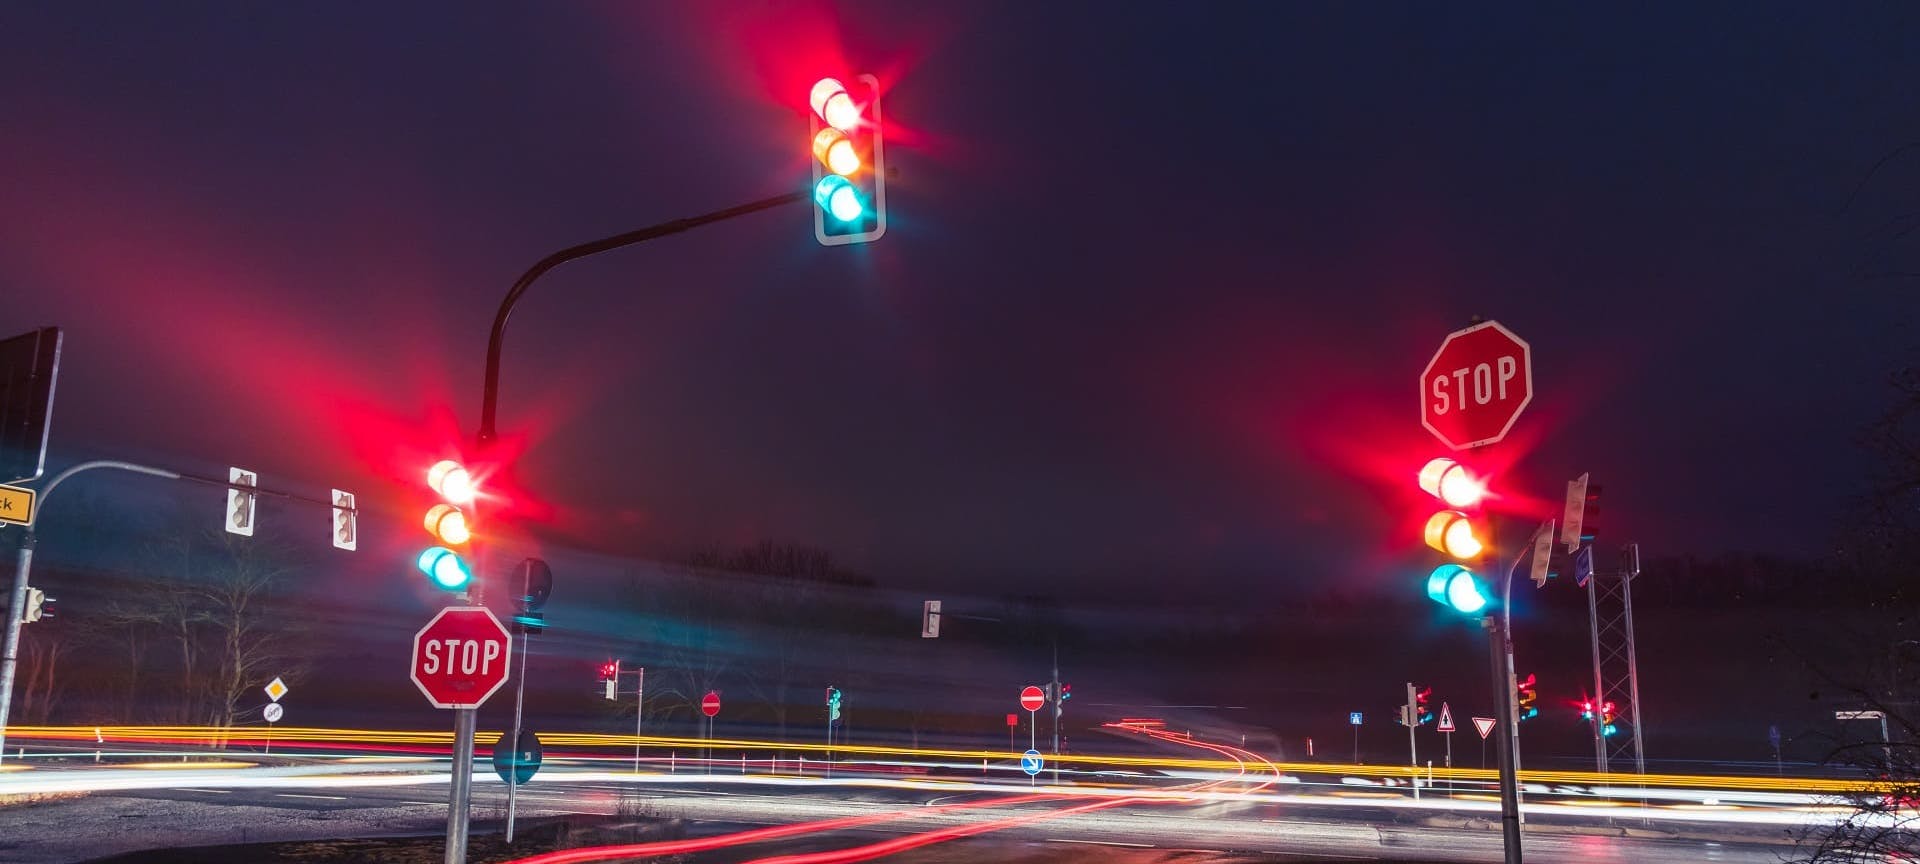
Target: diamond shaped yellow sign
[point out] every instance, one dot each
(276, 689)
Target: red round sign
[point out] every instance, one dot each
(1476, 385)
(1032, 698)
(710, 703)
(461, 657)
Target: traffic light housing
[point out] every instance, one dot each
(1607, 729)
(833, 704)
(849, 161)
(535, 579)
(1590, 515)
(1525, 696)
(1422, 711)
(39, 606)
(446, 568)
(610, 676)
(1455, 531)
(346, 524)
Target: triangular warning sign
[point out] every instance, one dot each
(1485, 725)
(1446, 718)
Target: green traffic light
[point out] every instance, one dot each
(1457, 588)
(445, 569)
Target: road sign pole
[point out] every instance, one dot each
(15, 610)
(1500, 663)
(519, 699)
(639, 712)
(1356, 743)
(460, 792)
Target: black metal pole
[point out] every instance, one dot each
(1503, 708)
(490, 397)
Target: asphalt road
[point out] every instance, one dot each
(190, 807)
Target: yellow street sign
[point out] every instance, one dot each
(16, 505)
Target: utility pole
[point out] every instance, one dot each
(1057, 708)
(1412, 715)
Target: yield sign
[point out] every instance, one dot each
(1485, 725)
(1446, 718)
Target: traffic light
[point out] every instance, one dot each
(610, 676)
(849, 162)
(1525, 696)
(346, 527)
(442, 563)
(536, 585)
(39, 606)
(833, 704)
(240, 502)
(1606, 719)
(1066, 692)
(1422, 711)
(1455, 531)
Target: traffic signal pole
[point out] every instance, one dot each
(461, 789)
(1500, 653)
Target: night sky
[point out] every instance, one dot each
(1149, 314)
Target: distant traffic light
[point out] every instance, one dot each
(1455, 531)
(849, 162)
(1422, 711)
(1606, 719)
(1525, 696)
(833, 704)
(346, 526)
(610, 676)
(1590, 515)
(442, 563)
(39, 606)
(241, 502)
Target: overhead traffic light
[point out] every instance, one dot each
(1455, 531)
(849, 162)
(1525, 696)
(443, 563)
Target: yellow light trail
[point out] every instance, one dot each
(444, 738)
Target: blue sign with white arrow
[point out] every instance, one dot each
(1353, 718)
(1031, 761)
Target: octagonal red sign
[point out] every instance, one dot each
(1476, 385)
(461, 657)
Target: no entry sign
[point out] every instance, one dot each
(460, 657)
(710, 703)
(1476, 385)
(1032, 698)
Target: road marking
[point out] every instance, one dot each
(210, 791)
(1321, 855)
(317, 797)
(424, 803)
(1100, 842)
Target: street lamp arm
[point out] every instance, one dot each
(490, 398)
(46, 491)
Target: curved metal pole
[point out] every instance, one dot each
(490, 396)
(17, 608)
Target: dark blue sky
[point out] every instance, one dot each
(1159, 280)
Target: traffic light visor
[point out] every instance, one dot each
(1449, 481)
(838, 197)
(444, 567)
(1455, 586)
(1450, 531)
(447, 523)
(831, 101)
(835, 150)
(452, 481)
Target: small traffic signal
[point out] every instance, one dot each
(1606, 719)
(536, 585)
(346, 527)
(240, 502)
(610, 676)
(833, 704)
(442, 563)
(849, 163)
(1066, 692)
(1525, 696)
(39, 606)
(1423, 712)
(1590, 514)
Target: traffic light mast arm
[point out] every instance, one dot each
(489, 399)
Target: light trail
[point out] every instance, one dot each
(431, 742)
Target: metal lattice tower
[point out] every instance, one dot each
(1616, 668)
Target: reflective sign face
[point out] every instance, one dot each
(1476, 385)
(460, 658)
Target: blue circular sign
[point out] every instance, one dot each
(1031, 761)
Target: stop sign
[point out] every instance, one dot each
(1476, 385)
(710, 703)
(1032, 698)
(460, 657)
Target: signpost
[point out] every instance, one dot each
(1031, 762)
(1353, 719)
(1013, 722)
(516, 765)
(16, 505)
(1476, 385)
(272, 712)
(710, 706)
(1446, 727)
(1485, 726)
(1031, 699)
(459, 660)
